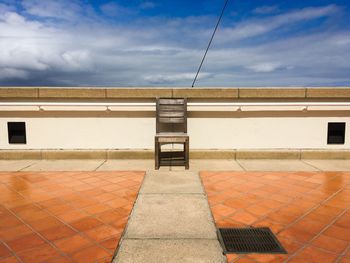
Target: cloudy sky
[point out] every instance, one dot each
(161, 42)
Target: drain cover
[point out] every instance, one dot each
(249, 240)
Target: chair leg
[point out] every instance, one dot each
(156, 153)
(187, 154)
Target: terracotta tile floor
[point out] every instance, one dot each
(64, 216)
(309, 212)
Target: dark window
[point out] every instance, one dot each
(336, 133)
(17, 132)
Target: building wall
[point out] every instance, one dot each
(55, 120)
(233, 132)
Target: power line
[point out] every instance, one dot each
(211, 40)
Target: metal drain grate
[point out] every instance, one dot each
(249, 240)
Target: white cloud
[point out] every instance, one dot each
(77, 59)
(263, 10)
(265, 25)
(171, 78)
(147, 5)
(264, 67)
(63, 9)
(9, 73)
(113, 9)
(6, 8)
(159, 51)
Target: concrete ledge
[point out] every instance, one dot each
(195, 93)
(194, 154)
(72, 93)
(326, 154)
(130, 154)
(20, 155)
(267, 93)
(268, 154)
(213, 154)
(116, 93)
(18, 92)
(334, 92)
(73, 154)
(206, 93)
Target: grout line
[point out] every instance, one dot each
(285, 204)
(35, 162)
(311, 210)
(36, 232)
(241, 165)
(325, 228)
(318, 169)
(100, 165)
(174, 194)
(171, 238)
(200, 194)
(343, 254)
(254, 203)
(13, 253)
(308, 243)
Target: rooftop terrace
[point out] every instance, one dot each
(81, 185)
(81, 210)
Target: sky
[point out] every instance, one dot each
(131, 43)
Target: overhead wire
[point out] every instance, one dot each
(209, 44)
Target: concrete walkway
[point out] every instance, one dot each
(195, 165)
(171, 222)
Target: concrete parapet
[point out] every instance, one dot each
(292, 154)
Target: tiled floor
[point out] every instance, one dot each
(64, 216)
(309, 211)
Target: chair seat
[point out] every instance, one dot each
(173, 137)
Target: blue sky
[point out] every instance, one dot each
(160, 43)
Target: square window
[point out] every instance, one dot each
(336, 133)
(17, 132)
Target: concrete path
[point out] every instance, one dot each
(171, 222)
(330, 165)
(195, 165)
(64, 165)
(276, 165)
(15, 165)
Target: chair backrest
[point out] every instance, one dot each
(171, 115)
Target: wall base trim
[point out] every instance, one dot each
(194, 154)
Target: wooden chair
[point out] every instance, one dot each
(171, 128)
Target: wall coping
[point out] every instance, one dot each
(194, 93)
(292, 154)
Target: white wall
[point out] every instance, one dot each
(264, 133)
(205, 133)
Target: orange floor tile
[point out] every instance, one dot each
(64, 216)
(309, 212)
